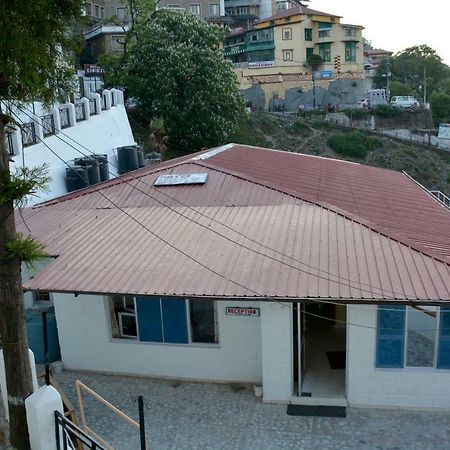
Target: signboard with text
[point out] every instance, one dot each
(91, 70)
(241, 311)
(257, 65)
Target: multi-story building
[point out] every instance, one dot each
(274, 56)
(107, 37)
(104, 37)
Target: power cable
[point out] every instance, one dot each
(203, 265)
(356, 284)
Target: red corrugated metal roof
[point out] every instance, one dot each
(387, 200)
(236, 235)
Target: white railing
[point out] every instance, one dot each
(442, 198)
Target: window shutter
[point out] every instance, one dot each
(443, 359)
(390, 336)
(149, 319)
(174, 320)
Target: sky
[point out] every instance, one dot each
(396, 24)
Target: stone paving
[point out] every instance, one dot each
(205, 416)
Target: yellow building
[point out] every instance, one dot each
(296, 34)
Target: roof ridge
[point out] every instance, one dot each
(342, 212)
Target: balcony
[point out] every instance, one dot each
(260, 45)
(236, 3)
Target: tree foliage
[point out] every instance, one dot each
(440, 107)
(176, 71)
(410, 67)
(34, 47)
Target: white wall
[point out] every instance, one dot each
(85, 340)
(101, 133)
(276, 340)
(366, 385)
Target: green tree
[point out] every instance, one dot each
(176, 71)
(34, 40)
(415, 64)
(398, 88)
(440, 107)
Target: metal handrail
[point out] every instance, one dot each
(28, 134)
(65, 430)
(64, 117)
(442, 197)
(48, 124)
(80, 112)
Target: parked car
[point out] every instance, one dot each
(405, 101)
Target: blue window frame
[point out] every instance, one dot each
(443, 359)
(390, 336)
(162, 320)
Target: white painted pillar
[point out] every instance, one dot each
(3, 385)
(85, 102)
(119, 97)
(107, 94)
(56, 119)
(277, 351)
(72, 114)
(41, 407)
(98, 102)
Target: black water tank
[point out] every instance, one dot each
(128, 159)
(103, 166)
(76, 178)
(140, 155)
(92, 166)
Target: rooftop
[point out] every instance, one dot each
(302, 10)
(265, 224)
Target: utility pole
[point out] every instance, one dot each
(12, 320)
(388, 76)
(424, 86)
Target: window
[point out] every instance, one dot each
(282, 6)
(287, 34)
(243, 10)
(324, 29)
(88, 8)
(309, 53)
(195, 8)
(42, 296)
(123, 316)
(350, 51)
(308, 34)
(350, 32)
(163, 320)
(214, 9)
(203, 323)
(288, 55)
(325, 52)
(102, 12)
(421, 325)
(122, 13)
(407, 337)
(97, 11)
(117, 43)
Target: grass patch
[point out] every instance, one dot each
(355, 144)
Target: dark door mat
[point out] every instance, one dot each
(317, 410)
(336, 359)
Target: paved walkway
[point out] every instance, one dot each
(191, 416)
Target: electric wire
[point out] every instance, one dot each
(352, 284)
(213, 271)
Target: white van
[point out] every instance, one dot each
(405, 101)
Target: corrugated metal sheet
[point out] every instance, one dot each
(234, 238)
(387, 200)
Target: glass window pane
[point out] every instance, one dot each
(203, 323)
(127, 325)
(421, 336)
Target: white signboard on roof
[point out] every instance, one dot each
(175, 179)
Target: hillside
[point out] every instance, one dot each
(429, 167)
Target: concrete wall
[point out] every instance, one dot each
(101, 133)
(86, 343)
(277, 352)
(367, 385)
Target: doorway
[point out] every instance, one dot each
(319, 343)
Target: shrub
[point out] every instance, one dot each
(357, 113)
(298, 127)
(355, 144)
(386, 111)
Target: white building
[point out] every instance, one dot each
(326, 282)
(56, 136)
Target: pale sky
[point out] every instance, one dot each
(396, 24)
